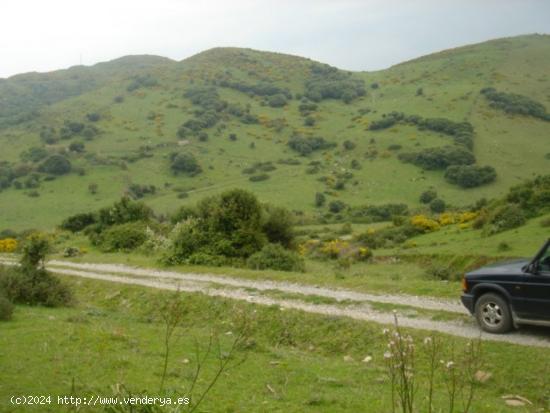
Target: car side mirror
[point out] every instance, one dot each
(533, 268)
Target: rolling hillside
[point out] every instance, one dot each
(282, 126)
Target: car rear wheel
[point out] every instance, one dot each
(493, 314)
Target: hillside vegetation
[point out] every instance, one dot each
(470, 122)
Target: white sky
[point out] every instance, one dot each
(43, 35)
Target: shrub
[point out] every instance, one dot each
(437, 205)
(515, 104)
(336, 206)
(6, 308)
(31, 283)
(470, 176)
(439, 158)
(124, 237)
(78, 222)
(123, 211)
(8, 245)
(259, 178)
(77, 147)
(56, 165)
(93, 116)
(201, 258)
(184, 163)
(305, 146)
(35, 287)
(348, 145)
(424, 223)
(278, 226)
(428, 196)
(275, 257)
(277, 101)
(504, 218)
(320, 199)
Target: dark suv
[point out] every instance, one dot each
(505, 295)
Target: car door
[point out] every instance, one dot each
(534, 290)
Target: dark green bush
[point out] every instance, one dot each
(78, 222)
(275, 257)
(184, 162)
(35, 287)
(56, 165)
(320, 199)
(123, 211)
(504, 218)
(428, 196)
(277, 101)
(437, 205)
(470, 176)
(439, 158)
(124, 237)
(304, 146)
(278, 226)
(336, 206)
(515, 104)
(259, 178)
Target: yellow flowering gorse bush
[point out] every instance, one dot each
(8, 245)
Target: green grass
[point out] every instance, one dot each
(451, 81)
(294, 361)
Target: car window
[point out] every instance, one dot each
(544, 261)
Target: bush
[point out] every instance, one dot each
(31, 283)
(78, 222)
(34, 287)
(439, 158)
(336, 206)
(428, 196)
(320, 199)
(6, 308)
(56, 165)
(504, 218)
(122, 212)
(437, 205)
(515, 104)
(277, 101)
(278, 226)
(305, 146)
(123, 237)
(184, 163)
(259, 178)
(275, 257)
(470, 176)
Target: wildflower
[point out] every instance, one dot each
(427, 340)
(450, 364)
(387, 355)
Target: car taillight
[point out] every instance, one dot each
(464, 284)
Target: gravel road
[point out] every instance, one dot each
(255, 291)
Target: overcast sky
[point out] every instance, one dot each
(43, 35)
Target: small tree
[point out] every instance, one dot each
(92, 188)
(437, 205)
(184, 163)
(320, 199)
(428, 196)
(56, 165)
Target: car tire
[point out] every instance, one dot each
(493, 314)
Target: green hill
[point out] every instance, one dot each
(282, 126)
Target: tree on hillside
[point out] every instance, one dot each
(184, 163)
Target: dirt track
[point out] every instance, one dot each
(255, 291)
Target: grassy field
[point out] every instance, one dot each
(287, 368)
(451, 80)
